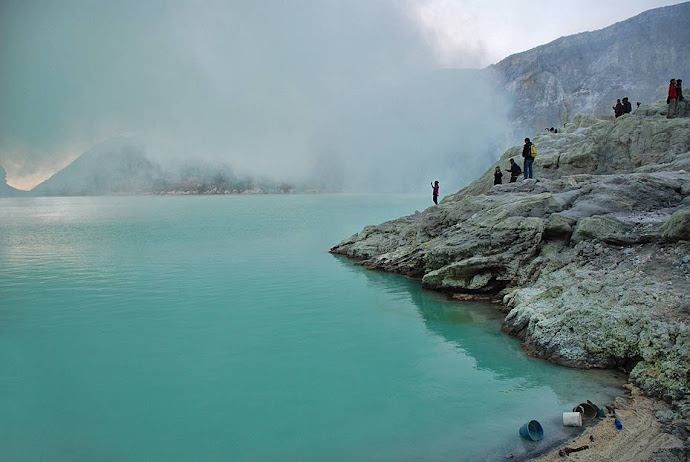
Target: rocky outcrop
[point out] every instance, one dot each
(591, 260)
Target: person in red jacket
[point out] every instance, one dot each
(672, 99)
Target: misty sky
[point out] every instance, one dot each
(290, 89)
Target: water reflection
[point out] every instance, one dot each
(474, 328)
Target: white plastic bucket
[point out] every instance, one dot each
(572, 419)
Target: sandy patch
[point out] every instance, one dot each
(639, 439)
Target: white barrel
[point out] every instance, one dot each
(572, 419)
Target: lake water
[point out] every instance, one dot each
(219, 328)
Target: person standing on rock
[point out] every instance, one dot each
(680, 97)
(514, 171)
(529, 159)
(627, 107)
(672, 99)
(434, 190)
(498, 176)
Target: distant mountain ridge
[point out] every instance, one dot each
(116, 166)
(585, 73)
(121, 166)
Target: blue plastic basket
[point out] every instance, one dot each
(532, 431)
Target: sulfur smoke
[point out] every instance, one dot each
(343, 95)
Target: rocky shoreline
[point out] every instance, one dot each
(590, 260)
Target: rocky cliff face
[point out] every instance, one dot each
(591, 260)
(585, 73)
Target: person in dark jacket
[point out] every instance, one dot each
(618, 109)
(681, 99)
(529, 160)
(627, 107)
(515, 171)
(498, 176)
(434, 191)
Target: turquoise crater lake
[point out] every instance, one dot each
(219, 328)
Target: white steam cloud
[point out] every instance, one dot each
(348, 93)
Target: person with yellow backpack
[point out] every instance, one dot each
(529, 152)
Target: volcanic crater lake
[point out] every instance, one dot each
(219, 328)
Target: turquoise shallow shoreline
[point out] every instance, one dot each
(217, 328)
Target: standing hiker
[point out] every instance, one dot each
(672, 99)
(529, 152)
(434, 189)
(681, 100)
(498, 176)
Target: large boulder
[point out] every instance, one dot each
(677, 228)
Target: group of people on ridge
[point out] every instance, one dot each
(529, 152)
(675, 98)
(675, 101)
(622, 107)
